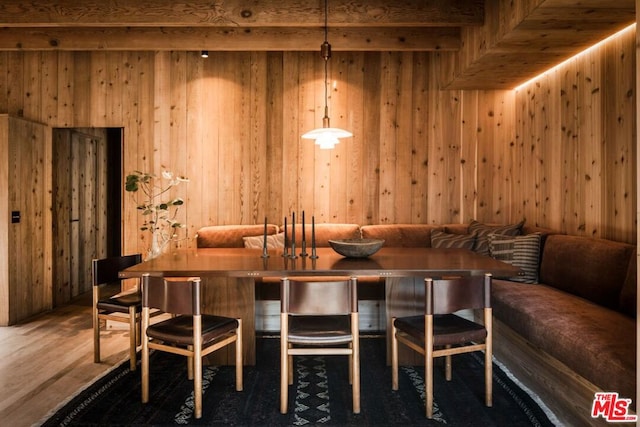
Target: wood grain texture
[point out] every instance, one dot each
(570, 133)
(4, 219)
(522, 39)
(232, 38)
(50, 358)
(559, 152)
(27, 250)
(236, 13)
(493, 44)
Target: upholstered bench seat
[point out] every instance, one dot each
(592, 340)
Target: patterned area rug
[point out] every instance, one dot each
(320, 395)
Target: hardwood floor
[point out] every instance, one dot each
(46, 360)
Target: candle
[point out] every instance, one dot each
(293, 235)
(264, 242)
(293, 229)
(265, 253)
(303, 253)
(285, 237)
(313, 238)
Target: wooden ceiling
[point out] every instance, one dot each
(483, 43)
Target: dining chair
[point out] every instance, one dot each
(440, 332)
(123, 307)
(319, 318)
(187, 332)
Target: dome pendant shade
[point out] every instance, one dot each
(326, 132)
(327, 138)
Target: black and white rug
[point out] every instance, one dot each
(320, 395)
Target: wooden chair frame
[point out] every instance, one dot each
(194, 353)
(433, 307)
(104, 271)
(319, 308)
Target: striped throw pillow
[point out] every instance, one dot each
(441, 239)
(521, 251)
(482, 231)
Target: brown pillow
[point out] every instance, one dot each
(440, 239)
(482, 232)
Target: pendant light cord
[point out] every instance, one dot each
(326, 21)
(325, 51)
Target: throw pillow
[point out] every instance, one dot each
(274, 241)
(521, 251)
(482, 232)
(441, 239)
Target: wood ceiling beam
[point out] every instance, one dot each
(240, 13)
(229, 39)
(523, 39)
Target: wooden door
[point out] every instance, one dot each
(80, 201)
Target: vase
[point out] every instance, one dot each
(158, 245)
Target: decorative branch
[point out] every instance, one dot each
(159, 209)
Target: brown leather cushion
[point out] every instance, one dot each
(179, 329)
(448, 329)
(457, 228)
(594, 269)
(401, 235)
(324, 233)
(596, 342)
(230, 236)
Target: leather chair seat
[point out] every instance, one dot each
(448, 329)
(121, 303)
(180, 329)
(320, 330)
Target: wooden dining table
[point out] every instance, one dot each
(230, 275)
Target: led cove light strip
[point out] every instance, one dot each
(595, 46)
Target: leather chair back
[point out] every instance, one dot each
(444, 296)
(177, 295)
(106, 270)
(319, 298)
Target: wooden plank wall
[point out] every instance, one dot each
(27, 251)
(575, 151)
(232, 123)
(5, 218)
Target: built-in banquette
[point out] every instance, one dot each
(566, 328)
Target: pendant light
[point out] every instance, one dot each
(326, 136)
